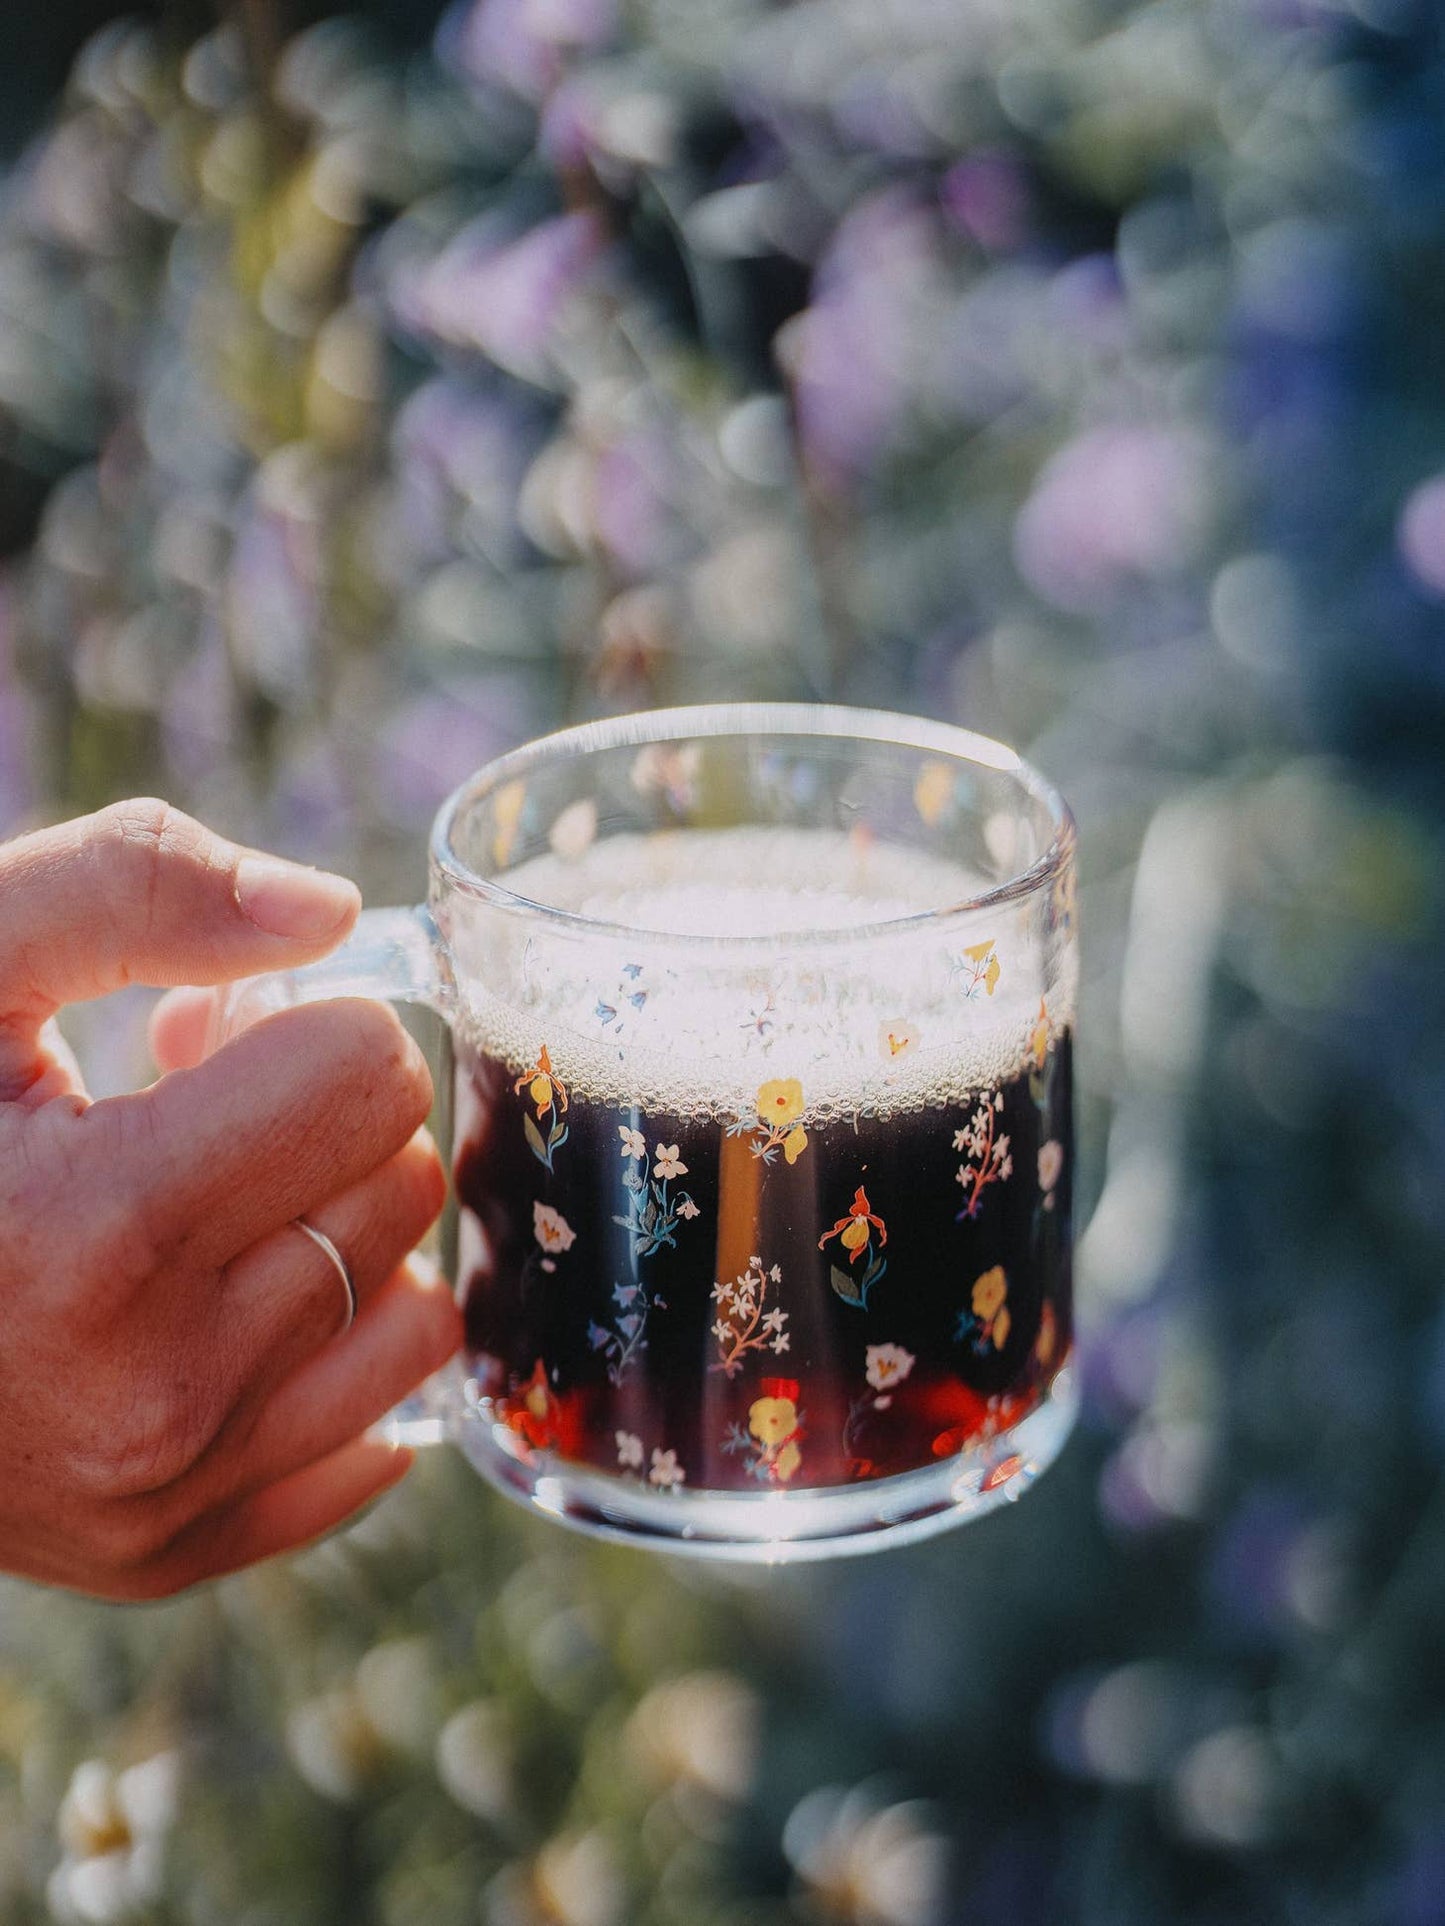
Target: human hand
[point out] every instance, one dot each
(175, 1401)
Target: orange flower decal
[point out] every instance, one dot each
(853, 1230)
(855, 1233)
(549, 1094)
(544, 1086)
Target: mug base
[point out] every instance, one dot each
(775, 1527)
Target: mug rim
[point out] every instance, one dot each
(798, 720)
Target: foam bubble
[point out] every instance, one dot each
(907, 1018)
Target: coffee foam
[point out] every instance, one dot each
(899, 1021)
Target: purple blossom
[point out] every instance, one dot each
(636, 491)
(434, 741)
(851, 351)
(521, 44)
(200, 726)
(504, 297)
(458, 458)
(1114, 505)
(987, 198)
(1420, 535)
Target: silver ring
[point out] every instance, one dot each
(323, 1242)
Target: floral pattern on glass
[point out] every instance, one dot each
(855, 1233)
(548, 1094)
(507, 807)
(978, 969)
(986, 1324)
(744, 1323)
(780, 1105)
(623, 1004)
(624, 1340)
(897, 1037)
(933, 791)
(886, 1366)
(986, 1153)
(654, 1210)
(535, 1413)
(772, 1444)
(961, 1367)
(669, 772)
(665, 1472)
(575, 830)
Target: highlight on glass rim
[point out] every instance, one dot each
(524, 531)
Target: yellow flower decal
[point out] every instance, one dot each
(1048, 1337)
(506, 816)
(780, 1102)
(779, 1105)
(989, 1325)
(1039, 1036)
(771, 1420)
(772, 1445)
(982, 969)
(989, 1292)
(933, 791)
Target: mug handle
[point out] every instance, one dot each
(398, 955)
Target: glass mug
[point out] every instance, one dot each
(759, 1023)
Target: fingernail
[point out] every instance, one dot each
(286, 899)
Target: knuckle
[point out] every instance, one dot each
(137, 842)
(130, 1535)
(388, 1064)
(421, 1179)
(432, 1182)
(148, 1447)
(124, 1236)
(138, 833)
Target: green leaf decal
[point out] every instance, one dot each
(845, 1286)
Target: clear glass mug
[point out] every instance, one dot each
(760, 1023)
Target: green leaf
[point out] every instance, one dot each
(534, 1138)
(845, 1286)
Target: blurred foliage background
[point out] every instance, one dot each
(376, 391)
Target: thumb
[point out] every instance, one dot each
(143, 894)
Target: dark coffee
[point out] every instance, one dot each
(759, 1299)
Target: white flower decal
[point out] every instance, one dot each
(888, 1365)
(553, 1231)
(687, 1208)
(629, 1450)
(574, 830)
(897, 1038)
(666, 1163)
(666, 1472)
(634, 1144)
(1051, 1164)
